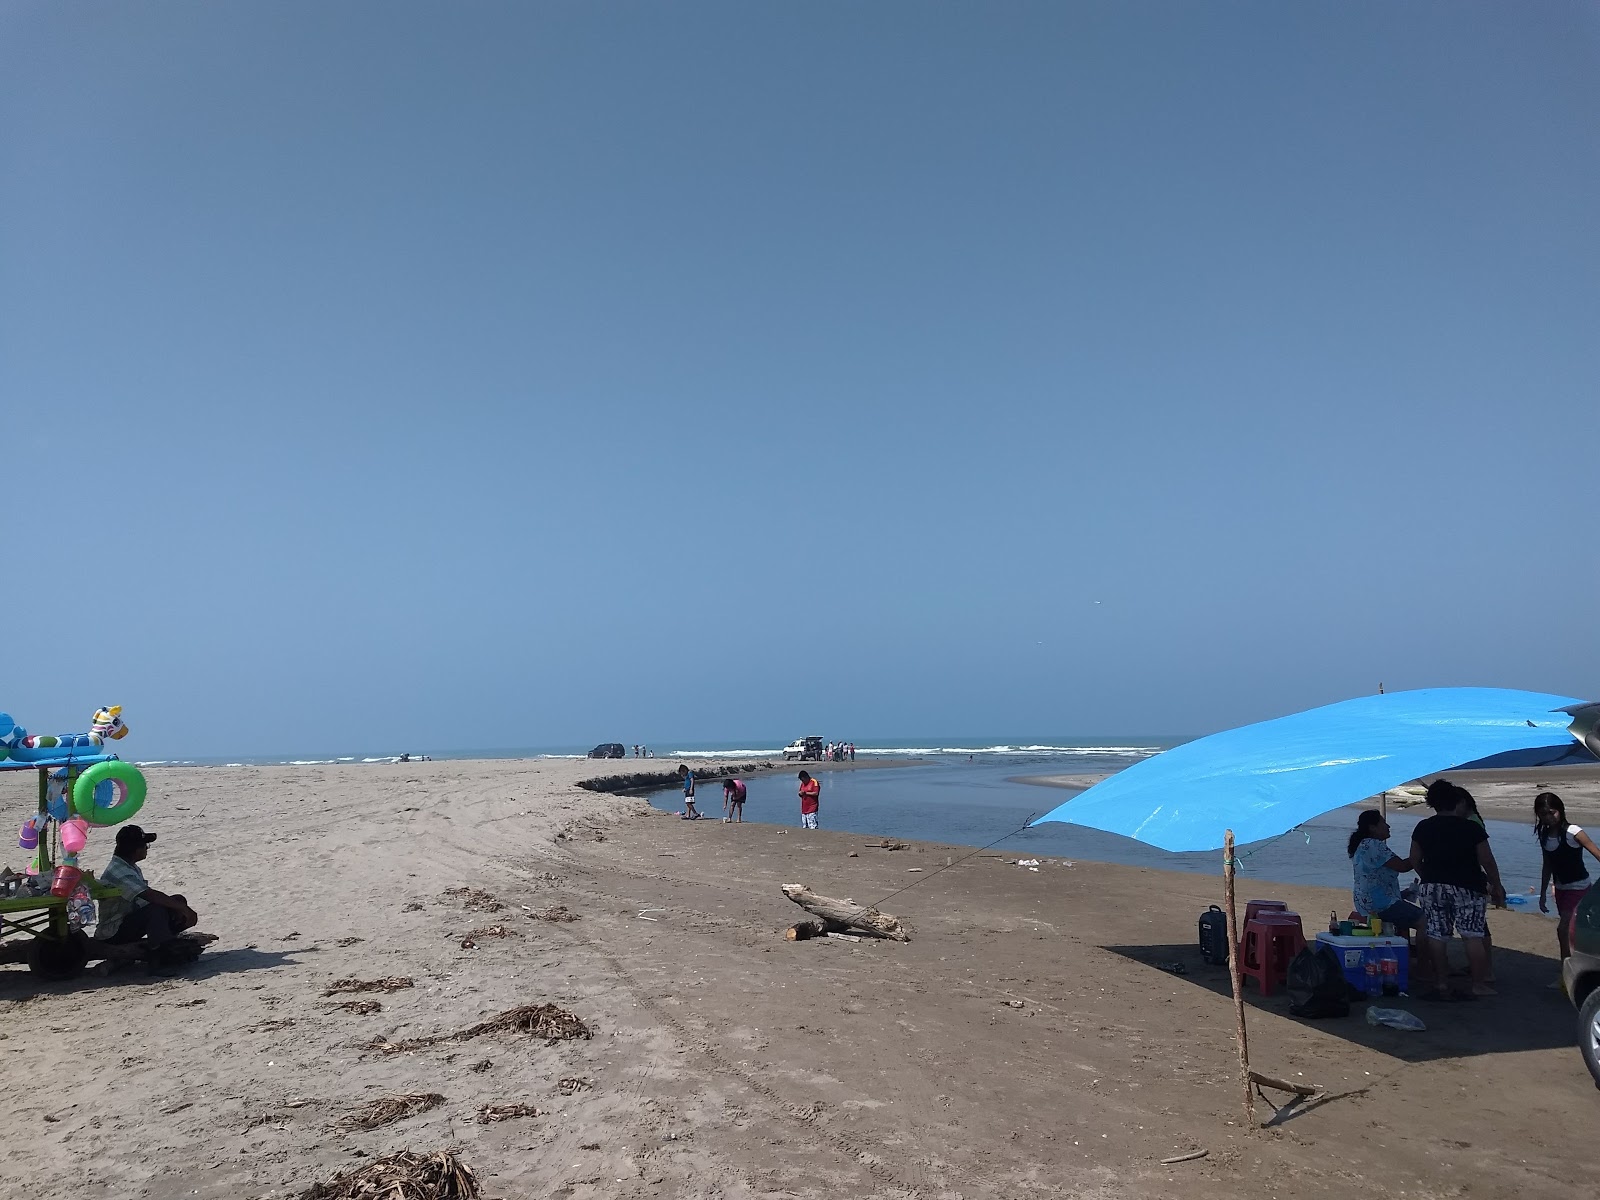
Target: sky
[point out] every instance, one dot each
(394, 376)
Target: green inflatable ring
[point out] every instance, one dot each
(83, 792)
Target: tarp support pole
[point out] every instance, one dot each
(1238, 982)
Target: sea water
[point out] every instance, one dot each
(953, 801)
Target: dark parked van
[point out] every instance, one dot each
(609, 750)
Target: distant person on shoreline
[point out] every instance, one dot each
(810, 797)
(733, 794)
(690, 812)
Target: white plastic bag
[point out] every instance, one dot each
(1395, 1018)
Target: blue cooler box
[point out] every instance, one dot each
(1354, 953)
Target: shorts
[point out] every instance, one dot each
(1448, 910)
(808, 820)
(1568, 899)
(1402, 914)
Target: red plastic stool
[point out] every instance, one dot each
(1269, 942)
(1253, 907)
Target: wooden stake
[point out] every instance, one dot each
(1238, 982)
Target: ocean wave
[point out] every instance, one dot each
(930, 751)
(718, 754)
(1083, 751)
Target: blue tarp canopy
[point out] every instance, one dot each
(1263, 780)
(53, 764)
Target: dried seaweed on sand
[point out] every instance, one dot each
(475, 899)
(386, 1110)
(556, 912)
(541, 1020)
(490, 1113)
(474, 936)
(392, 983)
(572, 1085)
(402, 1176)
(362, 1008)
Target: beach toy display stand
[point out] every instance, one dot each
(40, 924)
(36, 930)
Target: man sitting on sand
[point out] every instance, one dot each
(138, 913)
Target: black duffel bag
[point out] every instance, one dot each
(1317, 985)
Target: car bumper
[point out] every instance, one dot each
(1571, 968)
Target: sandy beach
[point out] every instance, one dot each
(1026, 1041)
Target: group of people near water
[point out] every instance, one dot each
(734, 793)
(1457, 880)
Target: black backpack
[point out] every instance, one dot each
(1317, 986)
(1214, 936)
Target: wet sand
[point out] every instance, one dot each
(1025, 1042)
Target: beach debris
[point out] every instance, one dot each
(345, 943)
(361, 1008)
(386, 1110)
(474, 936)
(804, 931)
(391, 983)
(1027, 862)
(411, 906)
(1013, 1003)
(846, 916)
(556, 912)
(853, 854)
(475, 899)
(644, 914)
(1183, 1158)
(491, 1113)
(887, 844)
(541, 1020)
(1395, 1018)
(270, 1026)
(478, 1068)
(1172, 968)
(402, 1176)
(571, 1085)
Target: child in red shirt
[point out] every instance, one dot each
(810, 793)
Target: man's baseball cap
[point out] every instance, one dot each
(132, 835)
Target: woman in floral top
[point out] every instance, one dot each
(1377, 874)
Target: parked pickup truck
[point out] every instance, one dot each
(805, 748)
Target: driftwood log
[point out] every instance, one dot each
(846, 916)
(804, 931)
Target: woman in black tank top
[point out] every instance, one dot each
(1561, 843)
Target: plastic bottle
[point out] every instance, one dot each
(1391, 973)
(1374, 980)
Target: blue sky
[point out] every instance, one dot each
(383, 376)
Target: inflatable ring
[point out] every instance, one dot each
(129, 782)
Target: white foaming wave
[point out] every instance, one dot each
(718, 754)
(1085, 751)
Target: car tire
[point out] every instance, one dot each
(1589, 1033)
